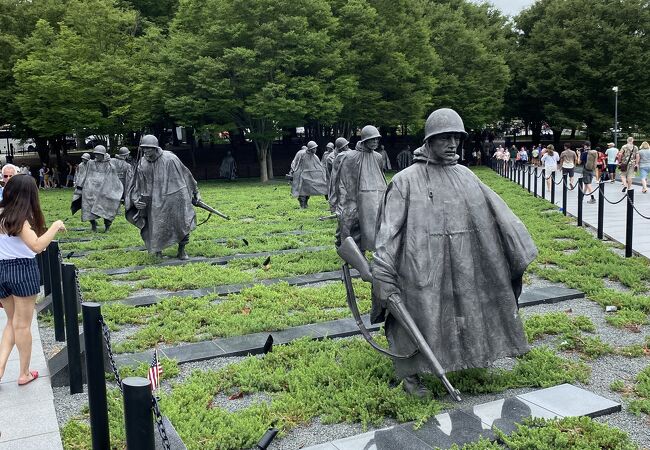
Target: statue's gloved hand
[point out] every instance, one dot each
(140, 205)
(196, 197)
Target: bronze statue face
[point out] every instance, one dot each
(151, 153)
(442, 147)
(372, 144)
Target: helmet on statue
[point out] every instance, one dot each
(340, 143)
(123, 151)
(369, 132)
(149, 140)
(99, 150)
(330, 146)
(443, 120)
(85, 157)
(311, 145)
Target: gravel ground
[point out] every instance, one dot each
(604, 371)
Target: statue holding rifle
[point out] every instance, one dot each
(159, 199)
(448, 265)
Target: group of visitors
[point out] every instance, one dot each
(596, 163)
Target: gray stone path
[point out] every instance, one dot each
(27, 416)
(463, 426)
(614, 215)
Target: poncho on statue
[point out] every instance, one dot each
(167, 186)
(356, 188)
(451, 248)
(308, 175)
(101, 190)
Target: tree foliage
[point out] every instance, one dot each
(569, 55)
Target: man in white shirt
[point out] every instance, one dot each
(611, 153)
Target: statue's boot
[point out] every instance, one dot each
(306, 200)
(413, 385)
(158, 255)
(93, 226)
(301, 201)
(107, 225)
(182, 254)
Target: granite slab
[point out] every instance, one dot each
(550, 294)
(567, 400)
(459, 427)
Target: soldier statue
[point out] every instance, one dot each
(228, 167)
(341, 145)
(358, 184)
(123, 166)
(385, 160)
(451, 252)
(404, 158)
(307, 175)
(100, 188)
(159, 199)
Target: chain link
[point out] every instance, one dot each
(107, 339)
(634, 207)
(159, 423)
(154, 401)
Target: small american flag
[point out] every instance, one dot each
(155, 371)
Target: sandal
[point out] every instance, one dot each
(644, 191)
(34, 374)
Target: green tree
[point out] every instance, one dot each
(390, 66)
(571, 52)
(81, 75)
(258, 64)
(472, 41)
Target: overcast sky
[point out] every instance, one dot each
(510, 7)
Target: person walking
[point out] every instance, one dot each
(627, 163)
(643, 163)
(22, 236)
(612, 153)
(550, 160)
(589, 159)
(568, 159)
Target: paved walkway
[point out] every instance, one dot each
(27, 416)
(614, 215)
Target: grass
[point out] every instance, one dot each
(336, 380)
(587, 268)
(260, 308)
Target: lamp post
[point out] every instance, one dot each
(615, 89)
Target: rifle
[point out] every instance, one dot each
(330, 217)
(351, 254)
(201, 204)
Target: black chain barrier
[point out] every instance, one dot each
(154, 401)
(637, 211)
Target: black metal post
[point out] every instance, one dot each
(629, 223)
(138, 420)
(95, 373)
(601, 209)
(529, 179)
(553, 187)
(47, 282)
(581, 197)
(535, 187)
(71, 301)
(564, 193)
(57, 291)
(543, 183)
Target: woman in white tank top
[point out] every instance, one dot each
(22, 235)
